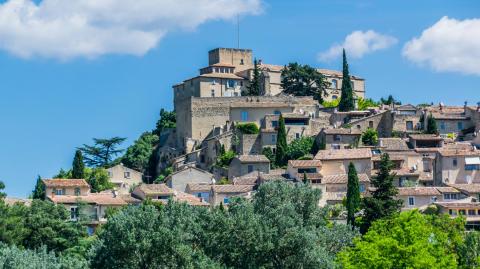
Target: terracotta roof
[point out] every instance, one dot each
(232, 188)
(129, 199)
(253, 159)
(425, 137)
(342, 131)
(305, 163)
(199, 187)
(189, 199)
(467, 188)
(447, 190)
(459, 205)
(404, 171)
(92, 198)
(456, 152)
(394, 144)
(418, 191)
(156, 189)
(344, 154)
(51, 183)
(343, 179)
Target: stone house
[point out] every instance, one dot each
(124, 178)
(200, 190)
(340, 138)
(70, 187)
(407, 119)
(425, 141)
(452, 119)
(178, 180)
(472, 190)
(418, 197)
(245, 164)
(221, 194)
(382, 122)
(469, 208)
(297, 168)
(457, 166)
(162, 193)
(334, 187)
(335, 162)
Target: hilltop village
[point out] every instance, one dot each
(237, 127)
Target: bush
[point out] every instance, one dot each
(248, 128)
(268, 152)
(299, 148)
(370, 137)
(225, 159)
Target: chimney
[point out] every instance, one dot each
(465, 106)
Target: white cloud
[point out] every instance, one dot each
(357, 44)
(449, 45)
(66, 29)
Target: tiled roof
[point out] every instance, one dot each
(459, 205)
(447, 112)
(418, 191)
(394, 144)
(129, 199)
(344, 154)
(232, 188)
(305, 163)
(447, 190)
(189, 199)
(468, 188)
(92, 198)
(247, 179)
(343, 179)
(455, 152)
(52, 183)
(405, 172)
(156, 189)
(341, 131)
(253, 159)
(199, 187)
(425, 137)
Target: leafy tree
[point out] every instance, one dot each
(370, 137)
(268, 152)
(303, 80)
(389, 101)
(281, 147)
(247, 128)
(78, 170)
(331, 104)
(39, 190)
(98, 179)
(469, 251)
(382, 202)
(254, 88)
(64, 174)
(363, 104)
(353, 195)
(409, 240)
(102, 152)
(299, 148)
(225, 159)
(2, 187)
(347, 102)
(167, 120)
(431, 125)
(138, 155)
(163, 174)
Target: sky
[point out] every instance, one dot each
(71, 70)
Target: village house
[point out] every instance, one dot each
(245, 164)
(335, 162)
(296, 170)
(469, 208)
(162, 193)
(222, 194)
(124, 178)
(458, 166)
(179, 179)
(334, 187)
(339, 138)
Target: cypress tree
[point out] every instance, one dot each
(432, 127)
(382, 202)
(280, 156)
(39, 190)
(347, 103)
(353, 194)
(254, 88)
(78, 170)
(305, 178)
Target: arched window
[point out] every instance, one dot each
(334, 84)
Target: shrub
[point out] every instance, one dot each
(370, 137)
(248, 128)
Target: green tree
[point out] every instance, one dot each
(102, 152)
(39, 190)
(247, 128)
(469, 251)
(303, 80)
(167, 120)
(281, 147)
(370, 137)
(78, 167)
(364, 104)
(299, 148)
(2, 187)
(389, 101)
(268, 152)
(353, 195)
(138, 155)
(347, 101)
(254, 88)
(382, 203)
(431, 125)
(225, 159)
(98, 179)
(409, 240)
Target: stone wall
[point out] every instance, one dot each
(250, 144)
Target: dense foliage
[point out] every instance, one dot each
(78, 167)
(167, 120)
(282, 227)
(225, 158)
(364, 104)
(299, 147)
(389, 101)
(39, 189)
(370, 137)
(432, 127)
(247, 128)
(353, 194)
(138, 155)
(102, 152)
(303, 80)
(347, 98)
(254, 87)
(268, 152)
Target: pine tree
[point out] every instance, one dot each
(39, 190)
(78, 170)
(254, 88)
(347, 103)
(353, 194)
(280, 156)
(382, 202)
(431, 125)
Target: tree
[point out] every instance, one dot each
(268, 152)
(303, 80)
(299, 148)
(254, 88)
(39, 190)
(167, 121)
(469, 251)
(305, 178)
(389, 101)
(78, 167)
(138, 155)
(98, 179)
(247, 128)
(431, 125)
(281, 147)
(382, 202)
(347, 102)
(363, 104)
(2, 187)
(408, 240)
(353, 195)
(370, 137)
(225, 159)
(102, 152)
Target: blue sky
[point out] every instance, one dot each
(55, 97)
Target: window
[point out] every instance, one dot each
(277, 112)
(241, 83)
(442, 125)
(461, 212)
(226, 200)
(214, 81)
(434, 199)
(77, 191)
(250, 168)
(471, 212)
(241, 61)
(450, 196)
(274, 138)
(460, 125)
(90, 230)
(337, 137)
(231, 83)
(362, 187)
(409, 125)
(73, 213)
(126, 174)
(244, 115)
(212, 93)
(235, 94)
(110, 174)
(370, 124)
(297, 135)
(452, 212)
(316, 181)
(359, 127)
(336, 146)
(455, 162)
(334, 85)
(411, 201)
(471, 167)
(274, 123)
(334, 97)
(59, 191)
(426, 165)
